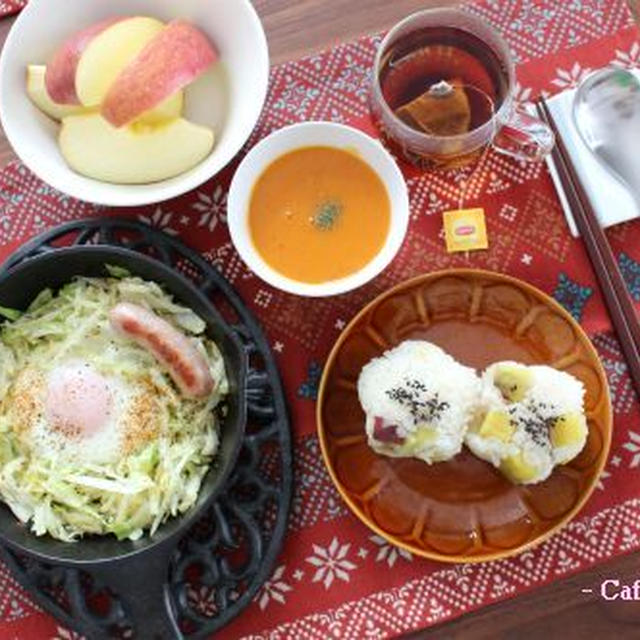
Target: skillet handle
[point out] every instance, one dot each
(141, 583)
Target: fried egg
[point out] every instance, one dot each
(78, 412)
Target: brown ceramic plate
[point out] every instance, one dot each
(462, 510)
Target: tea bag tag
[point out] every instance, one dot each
(465, 230)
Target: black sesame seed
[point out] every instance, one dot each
(415, 397)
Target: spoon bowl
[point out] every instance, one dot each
(606, 113)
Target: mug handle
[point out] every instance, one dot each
(524, 137)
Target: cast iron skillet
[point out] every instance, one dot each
(136, 571)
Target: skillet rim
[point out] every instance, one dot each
(180, 523)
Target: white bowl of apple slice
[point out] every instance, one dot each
(129, 102)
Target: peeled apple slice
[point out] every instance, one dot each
(37, 91)
(134, 154)
(109, 53)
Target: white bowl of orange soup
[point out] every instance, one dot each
(318, 209)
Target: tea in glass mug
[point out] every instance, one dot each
(443, 89)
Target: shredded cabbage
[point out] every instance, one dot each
(67, 497)
(10, 314)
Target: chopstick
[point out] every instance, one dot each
(619, 304)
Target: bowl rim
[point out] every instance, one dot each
(239, 198)
(122, 195)
(182, 522)
(434, 555)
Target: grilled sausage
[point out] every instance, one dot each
(185, 364)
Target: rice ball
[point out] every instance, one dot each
(418, 402)
(532, 420)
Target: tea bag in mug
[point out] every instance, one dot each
(442, 110)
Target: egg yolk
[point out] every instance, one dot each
(79, 401)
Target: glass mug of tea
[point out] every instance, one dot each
(443, 90)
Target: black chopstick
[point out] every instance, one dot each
(614, 290)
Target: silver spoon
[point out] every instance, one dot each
(606, 113)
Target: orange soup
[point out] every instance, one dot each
(318, 214)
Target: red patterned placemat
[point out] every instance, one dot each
(335, 578)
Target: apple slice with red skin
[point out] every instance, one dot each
(60, 78)
(37, 92)
(109, 53)
(168, 63)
